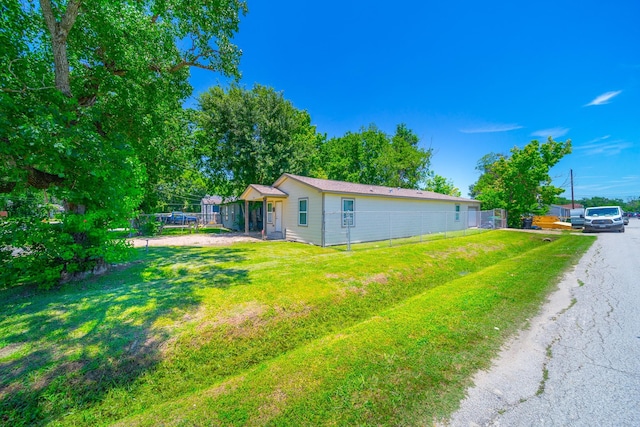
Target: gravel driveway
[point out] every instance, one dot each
(196, 239)
(579, 362)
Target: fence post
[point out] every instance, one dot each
(446, 224)
(390, 232)
(466, 224)
(348, 234)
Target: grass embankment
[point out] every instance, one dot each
(274, 333)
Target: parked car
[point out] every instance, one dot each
(603, 218)
(181, 218)
(625, 218)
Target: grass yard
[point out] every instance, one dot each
(274, 333)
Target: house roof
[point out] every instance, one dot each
(211, 200)
(257, 192)
(330, 186)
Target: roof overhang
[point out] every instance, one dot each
(256, 192)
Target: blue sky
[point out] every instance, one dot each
(468, 77)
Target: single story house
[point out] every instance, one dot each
(325, 212)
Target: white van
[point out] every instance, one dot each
(603, 218)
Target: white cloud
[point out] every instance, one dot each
(556, 132)
(607, 184)
(492, 128)
(599, 147)
(600, 138)
(604, 98)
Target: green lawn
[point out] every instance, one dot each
(274, 333)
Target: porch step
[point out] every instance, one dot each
(276, 235)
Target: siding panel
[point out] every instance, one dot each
(312, 233)
(379, 218)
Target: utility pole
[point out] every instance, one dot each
(573, 204)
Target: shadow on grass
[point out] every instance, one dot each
(64, 349)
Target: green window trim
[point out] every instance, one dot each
(303, 211)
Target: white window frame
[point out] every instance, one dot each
(269, 212)
(304, 212)
(457, 217)
(348, 216)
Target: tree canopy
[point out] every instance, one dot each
(520, 182)
(252, 137)
(440, 184)
(372, 157)
(91, 96)
(92, 92)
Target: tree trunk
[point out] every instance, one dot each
(59, 31)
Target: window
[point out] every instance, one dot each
(303, 208)
(348, 215)
(270, 212)
(457, 212)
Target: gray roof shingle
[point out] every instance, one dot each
(268, 190)
(327, 185)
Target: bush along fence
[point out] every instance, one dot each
(346, 228)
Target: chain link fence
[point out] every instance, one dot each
(152, 224)
(350, 227)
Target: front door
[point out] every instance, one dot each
(278, 215)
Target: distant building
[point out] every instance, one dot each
(210, 209)
(563, 211)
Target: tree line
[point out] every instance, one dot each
(246, 136)
(632, 204)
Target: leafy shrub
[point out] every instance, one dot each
(149, 226)
(44, 253)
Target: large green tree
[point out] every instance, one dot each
(252, 137)
(91, 98)
(520, 182)
(370, 156)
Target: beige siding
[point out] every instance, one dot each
(312, 233)
(379, 218)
